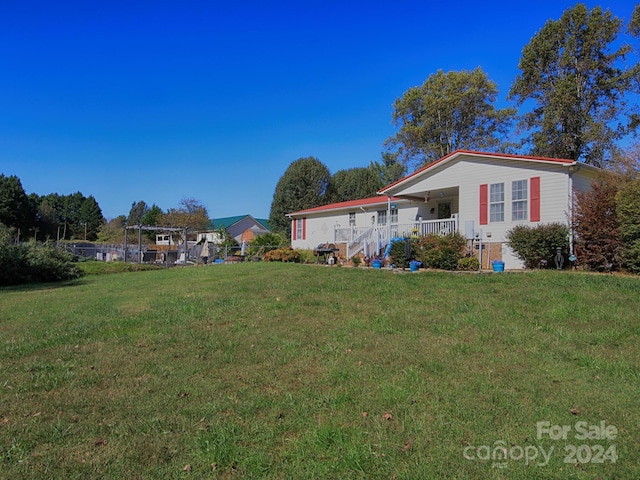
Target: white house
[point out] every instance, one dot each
(481, 195)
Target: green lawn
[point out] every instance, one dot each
(296, 371)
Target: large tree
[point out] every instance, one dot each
(68, 216)
(191, 214)
(449, 111)
(303, 185)
(353, 184)
(389, 169)
(574, 71)
(142, 214)
(15, 208)
(91, 218)
(137, 212)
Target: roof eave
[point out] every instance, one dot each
(551, 161)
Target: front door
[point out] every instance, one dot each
(444, 210)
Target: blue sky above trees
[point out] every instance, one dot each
(159, 101)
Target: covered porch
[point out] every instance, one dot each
(374, 239)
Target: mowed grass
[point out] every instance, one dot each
(295, 371)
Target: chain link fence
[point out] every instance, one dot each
(162, 255)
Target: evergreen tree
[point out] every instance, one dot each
(303, 185)
(15, 207)
(353, 184)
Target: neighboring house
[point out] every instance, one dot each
(481, 195)
(241, 228)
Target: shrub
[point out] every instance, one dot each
(398, 252)
(286, 254)
(33, 263)
(533, 244)
(469, 264)
(440, 251)
(628, 212)
(596, 225)
(13, 259)
(306, 256)
(264, 243)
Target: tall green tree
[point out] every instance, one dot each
(449, 111)
(90, 216)
(15, 207)
(152, 215)
(48, 217)
(80, 214)
(353, 184)
(389, 169)
(64, 217)
(574, 72)
(137, 212)
(303, 185)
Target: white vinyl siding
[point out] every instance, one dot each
(519, 198)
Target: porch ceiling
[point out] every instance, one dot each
(433, 194)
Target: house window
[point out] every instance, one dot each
(299, 229)
(496, 202)
(352, 219)
(394, 214)
(519, 197)
(382, 217)
(444, 210)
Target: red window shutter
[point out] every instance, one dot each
(484, 204)
(535, 199)
(293, 229)
(304, 228)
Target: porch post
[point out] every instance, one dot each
(389, 218)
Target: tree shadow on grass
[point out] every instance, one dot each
(31, 287)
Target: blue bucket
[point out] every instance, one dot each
(498, 265)
(414, 266)
(376, 264)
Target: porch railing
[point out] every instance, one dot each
(369, 242)
(375, 238)
(444, 226)
(348, 234)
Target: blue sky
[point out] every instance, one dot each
(160, 101)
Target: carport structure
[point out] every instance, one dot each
(153, 228)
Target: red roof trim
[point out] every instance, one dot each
(530, 158)
(350, 204)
